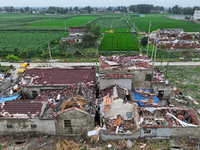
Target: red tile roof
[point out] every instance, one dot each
(10, 109)
(61, 76)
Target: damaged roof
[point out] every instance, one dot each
(167, 117)
(111, 93)
(81, 96)
(159, 77)
(22, 109)
(145, 97)
(124, 63)
(59, 76)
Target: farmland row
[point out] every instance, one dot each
(118, 41)
(162, 22)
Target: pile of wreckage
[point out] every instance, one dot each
(116, 108)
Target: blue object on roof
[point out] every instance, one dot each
(3, 99)
(139, 97)
(28, 61)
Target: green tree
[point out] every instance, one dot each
(144, 41)
(23, 54)
(12, 58)
(144, 8)
(91, 34)
(176, 9)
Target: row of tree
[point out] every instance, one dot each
(145, 8)
(141, 8)
(180, 10)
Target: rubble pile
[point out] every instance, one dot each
(125, 126)
(159, 77)
(67, 144)
(144, 97)
(124, 63)
(81, 96)
(165, 116)
(117, 76)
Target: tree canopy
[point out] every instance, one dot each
(91, 33)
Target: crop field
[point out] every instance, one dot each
(34, 42)
(42, 22)
(117, 23)
(32, 32)
(161, 22)
(14, 21)
(118, 41)
(74, 21)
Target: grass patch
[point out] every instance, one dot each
(185, 77)
(118, 41)
(162, 22)
(74, 21)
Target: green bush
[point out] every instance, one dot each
(77, 53)
(12, 58)
(68, 55)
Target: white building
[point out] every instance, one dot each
(197, 14)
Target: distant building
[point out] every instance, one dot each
(75, 35)
(196, 14)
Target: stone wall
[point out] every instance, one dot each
(24, 126)
(139, 81)
(81, 122)
(167, 88)
(154, 133)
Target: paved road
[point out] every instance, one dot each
(17, 65)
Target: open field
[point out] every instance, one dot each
(118, 41)
(13, 21)
(42, 22)
(185, 77)
(32, 32)
(74, 21)
(162, 22)
(34, 42)
(109, 22)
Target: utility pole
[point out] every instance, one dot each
(155, 55)
(65, 26)
(148, 37)
(168, 61)
(153, 48)
(49, 51)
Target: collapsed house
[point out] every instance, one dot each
(129, 72)
(179, 44)
(36, 80)
(132, 73)
(131, 104)
(173, 38)
(70, 111)
(117, 108)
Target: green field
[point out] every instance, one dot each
(161, 22)
(34, 42)
(118, 41)
(186, 78)
(14, 21)
(115, 22)
(74, 21)
(32, 32)
(42, 22)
